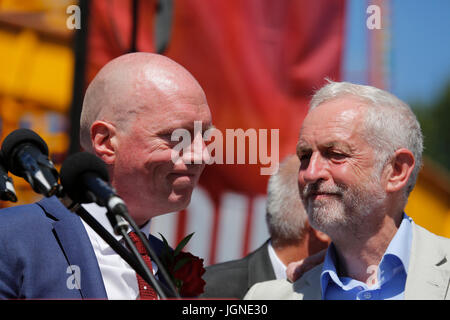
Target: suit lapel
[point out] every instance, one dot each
(429, 267)
(428, 273)
(308, 286)
(157, 246)
(76, 246)
(259, 266)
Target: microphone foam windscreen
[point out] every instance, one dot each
(17, 138)
(72, 171)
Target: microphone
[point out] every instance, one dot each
(84, 178)
(26, 156)
(7, 191)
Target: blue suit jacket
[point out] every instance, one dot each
(38, 245)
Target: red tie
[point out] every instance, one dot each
(146, 292)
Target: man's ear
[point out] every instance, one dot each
(401, 167)
(103, 136)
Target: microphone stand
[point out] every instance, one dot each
(121, 228)
(149, 250)
(134, 259)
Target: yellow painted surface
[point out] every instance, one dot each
(35, 92)
(36, 70)
(429, 206)
(27, 5)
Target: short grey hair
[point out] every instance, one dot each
(285, 214)
(389, 123)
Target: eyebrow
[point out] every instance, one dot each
(303, 147)
(338, 144)
(191, 128)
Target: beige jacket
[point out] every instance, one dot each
(428, 275)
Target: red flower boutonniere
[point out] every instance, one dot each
(185, 269)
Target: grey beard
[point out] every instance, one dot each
(346, 213)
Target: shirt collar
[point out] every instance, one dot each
(329, 272)
(99, 213)
(400, 247)
(278, 266)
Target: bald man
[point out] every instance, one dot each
(130, 111)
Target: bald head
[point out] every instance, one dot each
(130, 84)
(130, 111)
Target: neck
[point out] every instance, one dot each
(358, 253)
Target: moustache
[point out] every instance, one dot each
(317, 188)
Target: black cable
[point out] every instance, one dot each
(163, 25)
(130, 244)
(134, 26)
(121, 250)
(152, 254)
(80, 49)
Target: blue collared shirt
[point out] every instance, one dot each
(391, 275)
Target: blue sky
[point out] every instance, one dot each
(420, 47)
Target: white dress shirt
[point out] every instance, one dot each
(118, 276)
(278, 266)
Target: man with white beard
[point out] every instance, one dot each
(360, 150)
